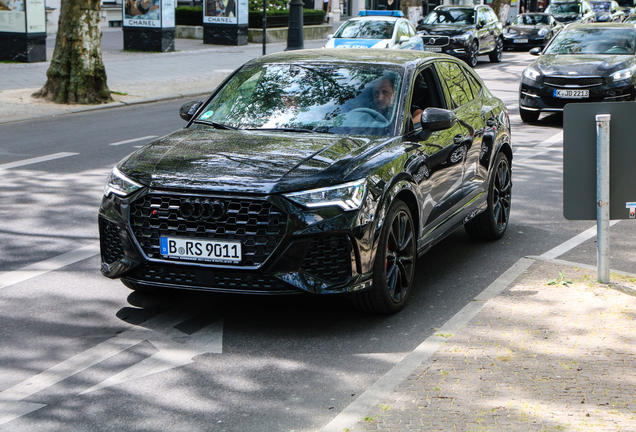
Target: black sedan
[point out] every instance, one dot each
(583, 63)
(530, 30)
(465, 32)
(320, 171)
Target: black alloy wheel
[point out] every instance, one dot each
(394, 266)
(495, 55)
(473, 53)
(528, 116)
(492, 223)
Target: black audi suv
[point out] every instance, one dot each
(318, 171)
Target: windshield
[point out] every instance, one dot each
(451, 16)
(593, 41)
(531, 20)
(366, 29)
(355, 99)
(601, 6)
(564, 8)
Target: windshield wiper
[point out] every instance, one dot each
(299, 130)
(216, 125)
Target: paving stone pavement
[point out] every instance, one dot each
(555, 351)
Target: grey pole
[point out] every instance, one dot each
(603, 197)
(264, 27)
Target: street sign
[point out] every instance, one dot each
(579, 160)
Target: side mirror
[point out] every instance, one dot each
(536, 51)
(403, 39)
(437, 119)
(188, 109)
(420, 21)
(329, 36)
(482, 23)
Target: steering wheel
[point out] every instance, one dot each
(373, 113)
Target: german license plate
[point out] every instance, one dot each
(192, 249)
(433, 49)
(571, 94)
(520, 40)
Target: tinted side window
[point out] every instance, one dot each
(493, 16)
(475, 85)
(403, 30)
(457, 85)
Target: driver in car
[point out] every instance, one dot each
(384, 95)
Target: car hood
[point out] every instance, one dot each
(257, 162)
(582, 64)
(526, 30)
(445, 30)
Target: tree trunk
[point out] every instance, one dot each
(76, 74)
(501, 8)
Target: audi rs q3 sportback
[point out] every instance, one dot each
(317, 171)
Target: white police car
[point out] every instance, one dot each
(373, 29)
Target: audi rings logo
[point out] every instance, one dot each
(201, 209)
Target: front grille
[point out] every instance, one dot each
(573, 81)
(329, 258)
(258, 224)
(202, 278)
(112, 249)
(436, 40)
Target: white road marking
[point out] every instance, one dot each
(174, 349)
(572, 243)
(523, 153)
(133, 140)
(36, 160)
(51, 264)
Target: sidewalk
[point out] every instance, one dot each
(552, 351)
(194, 69)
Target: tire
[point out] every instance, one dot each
(493, 222)
(394, 266)
(528, 116)
(495, 55)
(473, 53)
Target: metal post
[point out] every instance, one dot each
(264, 26)
(603, 197)
(295, 39)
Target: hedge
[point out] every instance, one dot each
(188, 15)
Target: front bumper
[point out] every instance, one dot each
(286, 248)
(538, 96)
(446, 45)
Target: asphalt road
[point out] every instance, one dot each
(82, 353)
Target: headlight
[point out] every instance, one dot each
(119, 184)
(460, 38)
(543, 32)
(623, 74)
(531, 74)
(347, 196)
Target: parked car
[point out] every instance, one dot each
(317, 171)
(465, 32)
(627, 6)
(583, 63)
(373, 29)
(529, 30)
(607, 11)
(569, 11)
